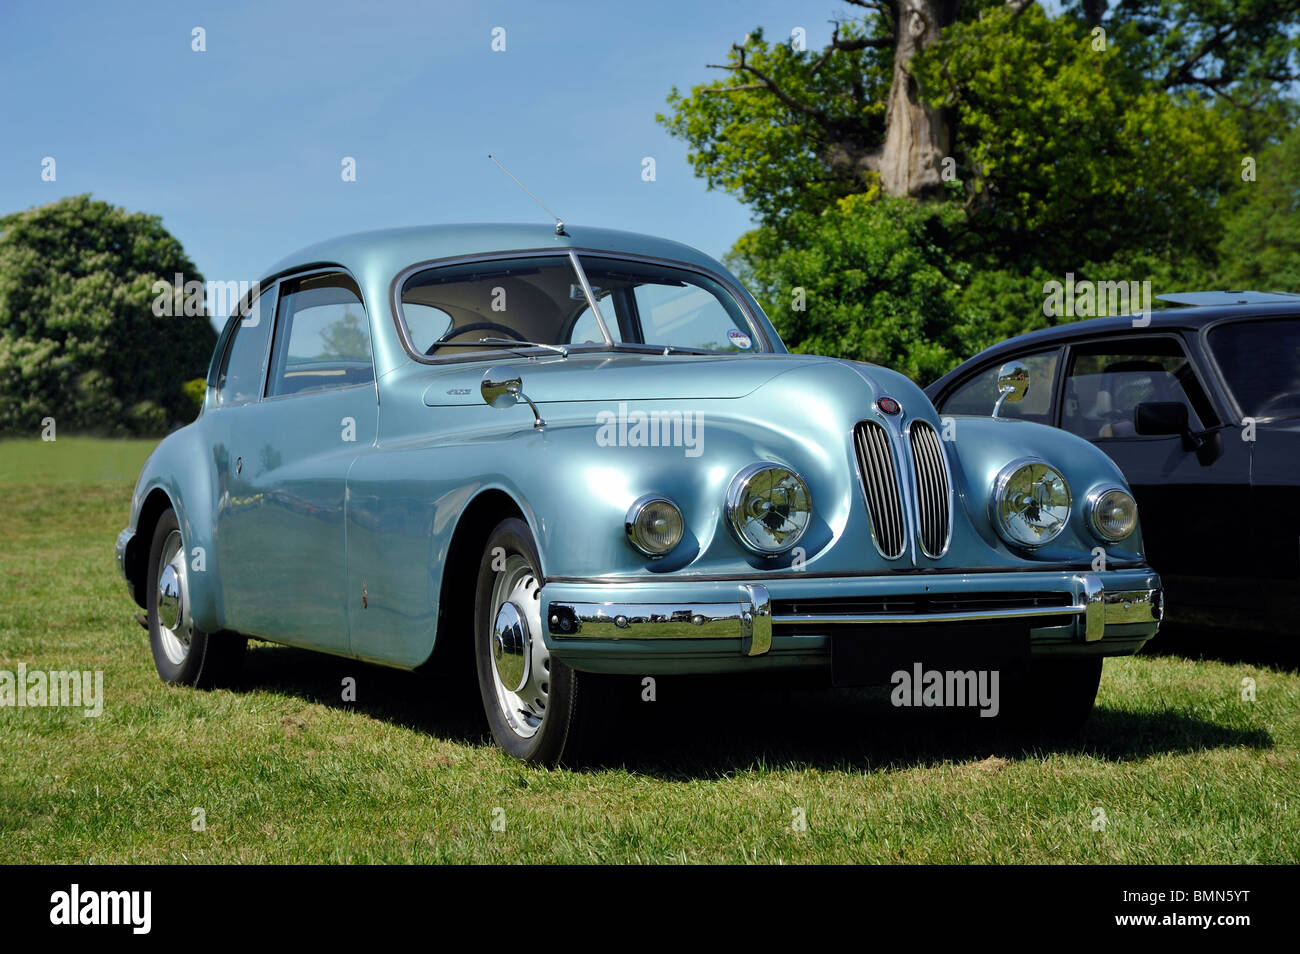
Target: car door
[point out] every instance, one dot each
(283, 546)
(1188, 500)
(1259, 364)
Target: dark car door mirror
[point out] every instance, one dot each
(1158, 418)
(1153, 418)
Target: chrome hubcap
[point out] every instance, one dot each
(175, 625)
(521, 666)
(511, 648)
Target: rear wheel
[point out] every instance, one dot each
(182, 653)
(539, 709)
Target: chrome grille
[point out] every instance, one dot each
(932, 492)
(880, 482)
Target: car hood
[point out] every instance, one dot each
(618, 377)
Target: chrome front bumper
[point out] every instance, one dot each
(750, 619)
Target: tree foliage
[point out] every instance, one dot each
(1102, 140)
(78, 339)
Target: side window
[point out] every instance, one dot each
(239, 381)
(322, 337)
(979, 394)
(1107, 381)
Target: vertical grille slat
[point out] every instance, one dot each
(933, 493)
(880, 482)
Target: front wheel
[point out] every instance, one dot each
(182, 653)
(537, 707)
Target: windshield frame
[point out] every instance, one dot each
(573, 254)
(1212, 357)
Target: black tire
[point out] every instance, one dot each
(209, 659)
(566, 731)
(1056, 696)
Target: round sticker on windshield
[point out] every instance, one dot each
(739, 339)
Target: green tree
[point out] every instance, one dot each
(1261, 244)
(78, 338)
(1100, 140)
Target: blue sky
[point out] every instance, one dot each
(239, 148)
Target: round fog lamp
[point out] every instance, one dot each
(1113, 514)
(654, 525)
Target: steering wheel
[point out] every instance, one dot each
(1278, 401)
(475, 326)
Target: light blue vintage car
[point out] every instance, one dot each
(561, 455)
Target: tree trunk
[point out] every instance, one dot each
(917, 137)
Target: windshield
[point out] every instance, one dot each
(1261, 363)
(526, 302)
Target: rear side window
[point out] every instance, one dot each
(322, 337)
(244, 365)
(980, 393)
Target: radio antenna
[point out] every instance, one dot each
(559, 225)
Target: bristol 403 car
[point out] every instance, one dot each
(577, 454)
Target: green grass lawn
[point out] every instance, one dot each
(284, 771)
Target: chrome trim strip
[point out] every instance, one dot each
(591, 299)
(1018, 612)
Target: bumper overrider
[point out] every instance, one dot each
(790, 623)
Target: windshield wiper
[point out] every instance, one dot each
(558, 349)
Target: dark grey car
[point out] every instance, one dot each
(1200, 407)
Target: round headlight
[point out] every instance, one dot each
(1031, 502)
(654, 525)
(1113, 513)
(769, 508)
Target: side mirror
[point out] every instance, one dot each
(1156, 418)
(502, 389)
(1013, 384)
(1152, 418)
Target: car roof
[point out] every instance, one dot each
(393, 250)
(1202, 308)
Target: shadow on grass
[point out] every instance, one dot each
(413, 700)
(706, 728)
(1251, 649)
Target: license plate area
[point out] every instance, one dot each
(869, 655)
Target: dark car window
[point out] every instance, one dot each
(244, 365)
(322, 337)
(1107, 380)
(980, 393)
(1260, 361)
